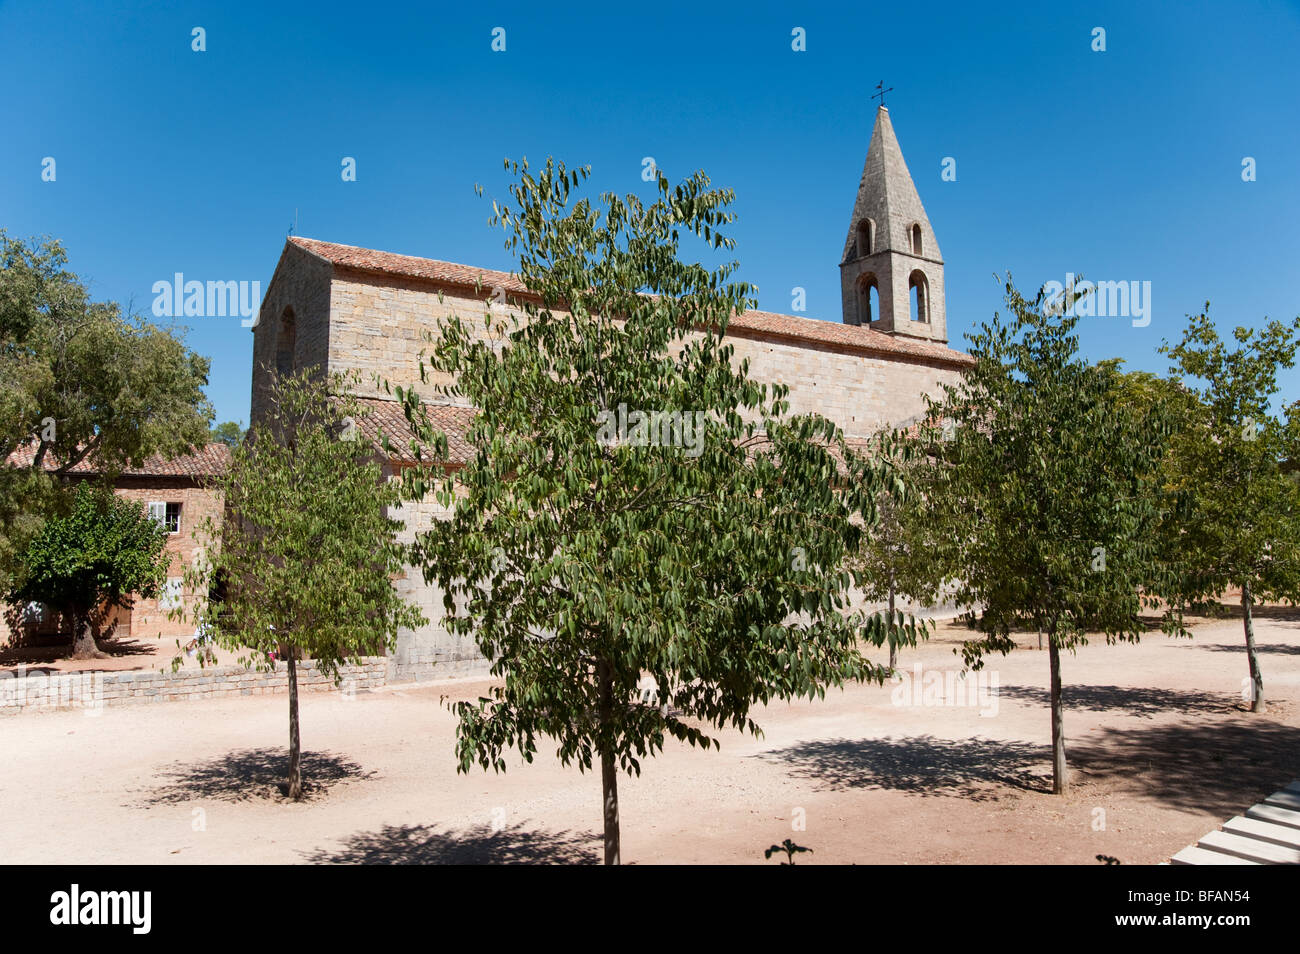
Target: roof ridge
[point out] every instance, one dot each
(438, 271)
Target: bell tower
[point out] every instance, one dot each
(891, 274)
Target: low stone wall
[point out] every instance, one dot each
(436, 669)
(94, 690)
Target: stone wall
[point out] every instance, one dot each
(95, 690)
(861, 393)
(378, 324)
(429, 652)
(301, 288)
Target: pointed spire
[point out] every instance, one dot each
(891, 272)
(888, 199)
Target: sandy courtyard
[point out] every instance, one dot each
(1160, 747)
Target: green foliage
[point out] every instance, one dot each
(580, 564)
(81, 378)
(228, 433)
(900, 555)
(1241, 525)
(1046, 486)
(27, 497)
(1231, 468)
(306, 557)
(101, 553)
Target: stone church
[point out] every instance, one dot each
(344, 308)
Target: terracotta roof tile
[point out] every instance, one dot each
(210, 461)
(388, 417)
(848, 337)
(749, 324)
(409, 266)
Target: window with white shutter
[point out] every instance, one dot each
(167, 514)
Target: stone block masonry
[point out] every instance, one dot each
(94, 690)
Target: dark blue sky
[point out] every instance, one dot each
(1122, 165)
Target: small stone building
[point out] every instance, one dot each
(343, 308)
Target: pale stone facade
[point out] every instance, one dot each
(342, 308)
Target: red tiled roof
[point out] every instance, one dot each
(409, 266)
(388, 417)
(210, 461)
(848, 337)
(749, 324)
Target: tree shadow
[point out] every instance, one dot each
(479, 845)
(1277, 611)
(1227, 612)
(128, 646)
(34, 656)
(1135, 700)
(1221, 767)
(1281, 649)
(924, 765)
(254, 773)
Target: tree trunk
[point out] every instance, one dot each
(83, 639)
(609, 790)
(1252, 654)
(1060, 782)
(295, 745)
(893, 649)
(608, 768)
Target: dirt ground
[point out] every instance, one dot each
(126, 653)
(1160, 747)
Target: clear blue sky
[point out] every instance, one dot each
(1122, 165)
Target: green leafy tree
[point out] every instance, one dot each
(228, 433)
(1151, 397)
(1230, 461)
(80, 379)
(306, 556)
(900, 555)
(95, 558)
(704, 550)
(1045, 486)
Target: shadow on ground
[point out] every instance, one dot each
(1284, 649)
(1135, 700)
(925, 765)
(480, 845)
(128, 646)
(253, 773)
(1277, 611)
(45, 653)
(1229, 613)
(1222, 767)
